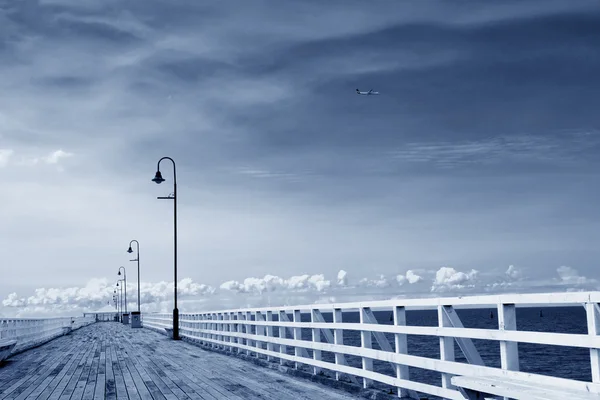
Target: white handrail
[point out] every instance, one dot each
(253, 331)
(32, 332)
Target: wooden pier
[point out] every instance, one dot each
(342, 345)
(110, 360)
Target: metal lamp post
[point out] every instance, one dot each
(125, 282)
(120, 299)
(130, 250)
(159, 179)
(118, 302)
(115, 301)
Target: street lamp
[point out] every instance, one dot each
(117, 301)
(124, 280)
(159, 179)
(120, 299)
(130, 250)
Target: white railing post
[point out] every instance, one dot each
(227, 329)
(446, 345)
(269, 334)
(366, 342)
(215, 328)
(401, 348)
(338, 338)
(316, 337)
(233, 328)
(248, 331)
(219, 330)
(593, 323)
(211, 327)
(203, 327)
(509, 351)
(282, 335)
(200, 323)
(240, 330)
(297, 336)
(260, 331)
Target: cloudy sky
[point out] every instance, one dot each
(481, 152)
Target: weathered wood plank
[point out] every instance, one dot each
(90, 386)
(110, 390)
(100, 390)
(82, 382)
(25, 373)
(112, 361)
(62, 378)
(68, 384)
(126, 384)
(25, 390)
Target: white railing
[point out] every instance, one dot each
(109, 316)
(31, 332)
(277, 334)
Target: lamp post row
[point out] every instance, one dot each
(158, 179)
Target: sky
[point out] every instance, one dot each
(474, 170)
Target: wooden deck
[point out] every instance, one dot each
(109, 360)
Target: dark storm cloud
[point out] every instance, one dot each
(534, 75)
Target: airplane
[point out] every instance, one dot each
(369, 93)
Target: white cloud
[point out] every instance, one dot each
(410, 277)
(380, 282)
(342, 278)
(56, 156)
(449, 278)
(413, 277)
(513, 273)
(401, 279)
(12, 300)
(29, 158)
(5, 155)
(271, 283)
(570, 276)
(98, 293)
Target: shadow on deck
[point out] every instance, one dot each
(109, 360)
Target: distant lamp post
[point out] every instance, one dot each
(159, 179)
(125, 283)
(120, 299)
(117, 301)
(130, 250)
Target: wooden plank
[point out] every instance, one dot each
(28, 362)
(25, 372)
(118, 370)
(146, 390)
(62, 378)
(27, 389)
(126, 384)
(110, 390)
(67, 386)
(178, 387)
(85, 373)
(167, 362)
(109, 360)
(90, 386)
(251, 382)
(100, 389)
(518, 389)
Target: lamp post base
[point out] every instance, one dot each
(176, 324)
